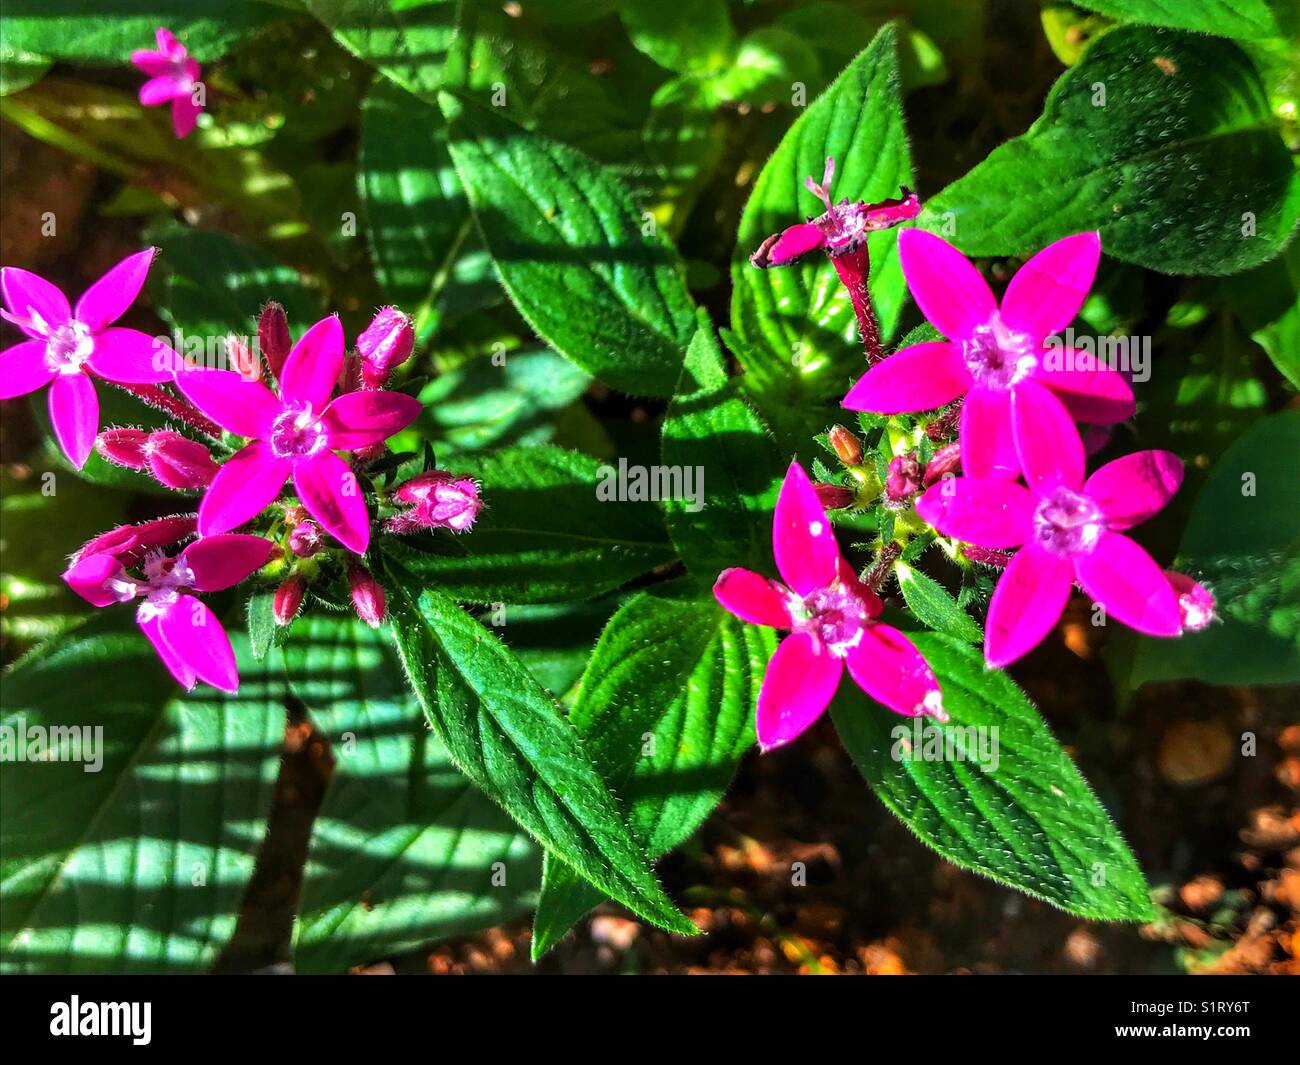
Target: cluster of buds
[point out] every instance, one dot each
(906, 475)
(173, 460)
(436, 500)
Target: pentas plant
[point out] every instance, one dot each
(173, 79)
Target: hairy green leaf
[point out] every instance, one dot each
(933, 606)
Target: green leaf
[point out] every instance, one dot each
(1247, 19)
(933, 606)
(797, 330)
(666, 709)
(428, 257)
(1010, 805)
(91, 34)
(138, 864)
(769, 63)
(711, 433)
(690, 37)
(544, 535)
(405, 40)
(1267, 300)
(261, 622)
(1243, 543)
(405, 850)
(564, 234)
(20, 69)
(1182, 168)
(506, 734)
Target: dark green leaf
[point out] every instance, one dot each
(691, 37)
(406, 40)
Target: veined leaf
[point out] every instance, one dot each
(564, 234)
(1246, 19)
(1164, 141)
(933, 606)
(1002, 799)
(545, 534)
(666, 709)
(506, 734)
(405, 40)
(405, 850)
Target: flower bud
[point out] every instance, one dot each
(386, 343)
(179, 462)
(847, 446)
(306, 539)
(242, 359)
(123, 447)
(834, 496)
(943, 462)
(130, 543)
(273, 337)
(288, 598)
(367, 595)
(904, 478)
(440, 500)
(1196, 607)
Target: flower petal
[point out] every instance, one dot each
(753, 597)
(1134, 487)
(1091, 391)
(74, 413)
(168, 44)
(1026, 604)
(359, 419)
(150, 625)
(330, 492)
(109, 297)
(1123, 578)
(799, 685)
(887, 666)
(922, 377)
(246, 485)
(133, 357)
(196, 637)
(312, 369)
(238, 405)
(985, 511)
(1047, 442)
(789, 245)
(222, 561)
(944, 283)
(185, 115)
(155, 64)
(88, 575)
(23, 369)
(32, 299)
(159, 90)
(1046, 293)
(807, 556)
(988, 447)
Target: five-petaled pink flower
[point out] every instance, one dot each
(1020, 390)
(185, 633)
(295, 435)
(831, 615)
(1071, 530)
(173, 78)
(66, 345)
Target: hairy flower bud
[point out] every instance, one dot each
(440, 500)
(904, 477)
(943, 462)
(242, 359)
(123, 447)
(385, 344)
(367, 595)
(834, 496)
(130, 543)
(273, 337)
(179, 462)
(306, 539)
(847, 446)
(288, 598)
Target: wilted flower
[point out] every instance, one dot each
(903, 479)
(67, 345)
(173, 78)
(306, 539)
(832, 618)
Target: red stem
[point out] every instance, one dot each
(167, 403)
(853, 268)
(986, 556)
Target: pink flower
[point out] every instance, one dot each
(832, 617)
(66, 345)
(295, 435)
(173, 78)
(185, 633)
(440, 500)
(1018, 389)
(1071, 530)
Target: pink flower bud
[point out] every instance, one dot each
(367, 596)
(288, 598)
(243, 359)
(834, 496)
(1196, 607)
(179, 462)
(306, 539)
(943, 462)
(904, 478)
(123, 447)
(386, 343)
(273, 337)
(847, 446)
(441, 501)
(130, 543)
